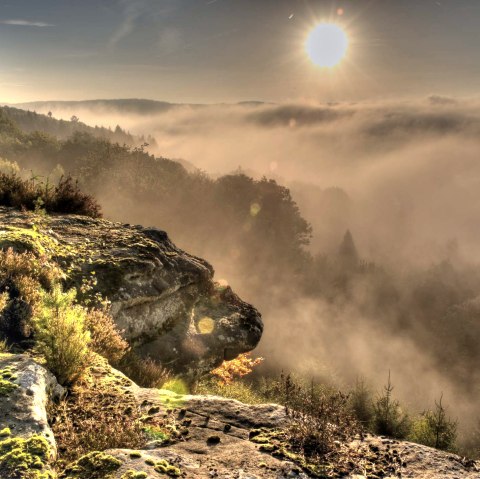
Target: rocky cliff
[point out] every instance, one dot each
(165, 300)
(211, 437)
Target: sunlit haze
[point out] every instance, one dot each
(295, 179)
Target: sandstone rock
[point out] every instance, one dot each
(25, 390)
(219, 429)
(235, 456)
(164, 299)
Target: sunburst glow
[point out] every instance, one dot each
(327, 45)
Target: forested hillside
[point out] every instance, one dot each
(30, 122)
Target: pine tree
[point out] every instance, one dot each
(348, 252)
(389, 418)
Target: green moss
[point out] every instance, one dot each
(95, 465)
(23, 239)
(135, 454)
(156, 433)
(25, 458)
(164, 467)
(6, 384)
(268, 447)
(6, 432)
(149, 462)
(134, 475)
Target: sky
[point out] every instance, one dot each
(208, 51)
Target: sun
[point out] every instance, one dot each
(327, 45)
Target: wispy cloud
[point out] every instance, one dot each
(25, 23)
(133, 11)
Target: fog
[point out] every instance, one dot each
(403, 177)
(410, 169)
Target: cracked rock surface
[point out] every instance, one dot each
(218, 444)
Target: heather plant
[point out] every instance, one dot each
(95, 417)
(105, 338)
(321, 419)
(145, 372)
(66, 197)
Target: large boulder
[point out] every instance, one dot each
(27, 444)
(165, 300)
(25, 390)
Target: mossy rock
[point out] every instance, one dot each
(6, 387)
(164, 467)
(134, 475)
(95, 465)
(25, 458)
(157, 291)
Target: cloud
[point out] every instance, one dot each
(133, 11)
(26, 23)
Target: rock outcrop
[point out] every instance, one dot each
(164, 299)
(220, 445)
(215, 437)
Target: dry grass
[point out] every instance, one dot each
(144, 371)
(320, 420)
(98, 414)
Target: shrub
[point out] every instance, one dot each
(236, 368)
(388, 417)
(96, 417)
(61, 335)
(435, 429)
(4, 347)
(226, 381)
(143, 371)
(105, 339)
(22, 278)
(320, 419)
(66, 197)
(470, 444)
(9, 167)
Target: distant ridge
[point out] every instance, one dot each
(127, 105)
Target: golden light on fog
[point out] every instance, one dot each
(327, 45)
